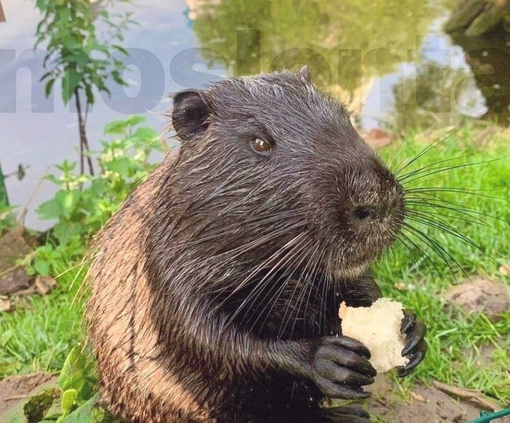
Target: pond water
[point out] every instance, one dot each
(389, 61)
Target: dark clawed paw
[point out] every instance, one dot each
(347, 414)
(416, 347)
(340, 368)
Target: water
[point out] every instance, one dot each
(388, 59)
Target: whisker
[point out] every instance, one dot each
(434, 171)
(273, 299)
(469, 219)
(428, 167)
(438, 247)
(444, 226)
(307, 282)
(435, 201)
(260, 284)
(405, 240)
(426, 150)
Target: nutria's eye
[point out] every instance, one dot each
(261, 146)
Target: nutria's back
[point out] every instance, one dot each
(134, 381)
(216, 286)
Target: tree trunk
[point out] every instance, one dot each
(84, 144)
(2, 15)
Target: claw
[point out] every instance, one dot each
(415, 359)
(349, 413)
(408, 321)
(414, 338)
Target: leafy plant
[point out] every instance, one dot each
(78, 57)
(71, 400)
(77, 381)
(7, 218)
(83, 203)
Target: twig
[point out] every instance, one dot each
(23, 213)
(472, 395)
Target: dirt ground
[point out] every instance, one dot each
(425, 405)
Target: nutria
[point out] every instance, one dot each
(215, 288)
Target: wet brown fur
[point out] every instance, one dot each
(217, 283)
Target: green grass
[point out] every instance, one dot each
(41, 335)
(42, 330)
(456, 338)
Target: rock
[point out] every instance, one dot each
(13, 281)
(17, 389)
(462, 17)
(492, 16)
(378, 138)
(14, 245)
(480, 295)
(477, 17)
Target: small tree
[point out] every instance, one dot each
(78, 58)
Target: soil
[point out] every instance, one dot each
(16, 245)
(426, 404)
(480, 295)
(17, 389)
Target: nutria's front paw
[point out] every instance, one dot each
(416, 347)
(344, 414)
(340, 367)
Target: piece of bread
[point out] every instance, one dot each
(378, 328)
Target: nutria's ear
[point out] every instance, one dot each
(304, 72)
(189, 114)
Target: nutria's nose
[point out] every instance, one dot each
(364, 212)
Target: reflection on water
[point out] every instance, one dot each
(489, 59)
(346, 44)
(351, 47)
(389, 60)
(436, 95)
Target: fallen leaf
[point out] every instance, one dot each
(418, 397)
(44, 284)
(504, 269)
(5, 305)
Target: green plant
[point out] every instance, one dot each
(83, 203)
(40, 335)
(78, 57)
(7, 218)
(77, 382)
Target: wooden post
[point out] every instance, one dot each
(2, 15)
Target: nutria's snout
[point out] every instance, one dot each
(389, 207)
(369, 214)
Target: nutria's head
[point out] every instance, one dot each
(272, 174)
